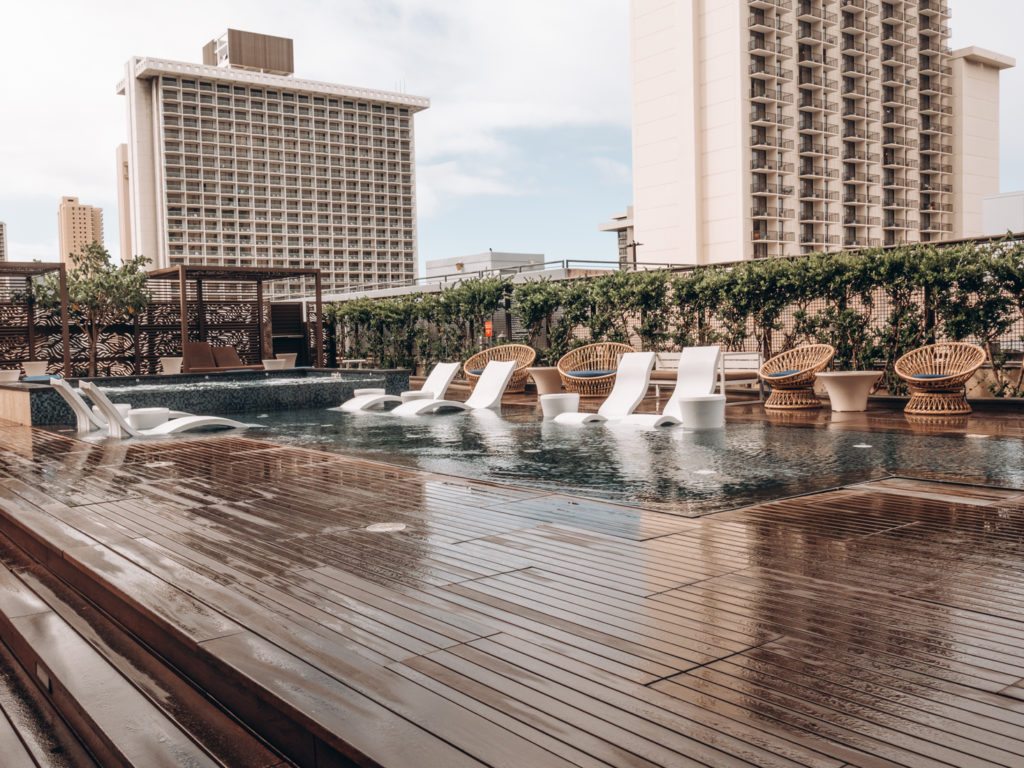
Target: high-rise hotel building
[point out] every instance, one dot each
(78, 226)
(766, 128)
(236, 162)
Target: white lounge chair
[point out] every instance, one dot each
(434, 388)
(88, 419)
(118, 427)
(487, 394)
(632, 378)
(696, 376)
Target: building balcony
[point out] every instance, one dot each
(860, 5)
(810, 148)
(859, 178)
(857, 198)
(859, 134)
(810, 171)
(861, 242)
(813, 238)
(771, 213)
(770, 142)
(936, 168)
(814, 11)
(770, 72)
(853, 156)
(893, 100)
(817, 193)
(861, 221)
(899, 224)
(811, 79)
(899, 182)
(936, 127)
(933, 187)
(931, 88)
(817, 216)
(859, 25)
(771, 166)
(763, 95)
(901, 203)
(936, 109)
(929, 206)
(817, 126)
(785, 5)
(859, 113)
(893, 160)
(759, 22)
(899, 142)
(766, 118)
(776, 190)
(769, 48)
(812, 57)
(857, 48)
(852, 91)
(857, 69)
(771, 237)
(934, 8)
(929, 66)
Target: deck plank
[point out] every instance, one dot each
(876, 625)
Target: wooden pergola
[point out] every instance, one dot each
(258, 275)
(29, 270)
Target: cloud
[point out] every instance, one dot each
(33, 251)
(490, 69)
(611, 171)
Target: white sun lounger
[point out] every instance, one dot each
(434, 388)
(487, 394)
(696, 376)
(118, 427)
(86, 418)
(632, 378)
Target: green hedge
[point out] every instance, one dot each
(873, 306)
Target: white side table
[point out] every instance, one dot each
(552, 405)
(170, 365)
(288, 357)
(547, 379)
(274, 364)
(701, 411)
(34, 368)
(849, 390)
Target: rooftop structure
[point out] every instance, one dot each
(622, 225)
(237, 163)
(482, 262)
(766, 128)
(4, 255)
(78, 226)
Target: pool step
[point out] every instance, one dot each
(321, 712)
(122, 702)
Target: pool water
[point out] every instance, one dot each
(673, 470)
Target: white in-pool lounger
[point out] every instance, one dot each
(487, 394)
(696, 376)
(88, 419)
(434, 388)
(118, 427)
(632, 378)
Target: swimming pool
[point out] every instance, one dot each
(687, 473)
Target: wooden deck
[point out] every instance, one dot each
(876, 625)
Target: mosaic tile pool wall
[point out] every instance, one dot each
(222, 393)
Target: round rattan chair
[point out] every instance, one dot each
(937, 376)
(520, 353)
(590, 370)
(791, 376)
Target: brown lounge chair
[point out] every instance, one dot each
(200, 357)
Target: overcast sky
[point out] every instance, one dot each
(525, 146)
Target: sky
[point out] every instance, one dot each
(525, 147)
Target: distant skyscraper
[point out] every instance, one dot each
(235, 162)
(3, 242)
(77, 226)
(123, 203)
(769, 128)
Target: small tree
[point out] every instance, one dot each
(100, 294)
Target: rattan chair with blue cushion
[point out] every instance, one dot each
(937, 376)
(520, 353)
(590, 370)
(791, 376)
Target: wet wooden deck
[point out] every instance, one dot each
(875, 625)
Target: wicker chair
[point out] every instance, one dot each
(520, 353)
(590, 370)
(791, 376)
(937, 376)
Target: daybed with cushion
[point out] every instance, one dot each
(200, 357)
(590, 370)
(937, 376)
(522, 355)
(791, 376)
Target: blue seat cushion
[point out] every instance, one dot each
(44, 377)
(779, 374)
(476, 371)
(931, 375)
(589, 374)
